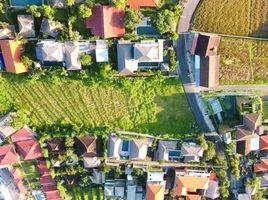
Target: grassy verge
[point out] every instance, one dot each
(243, 61)
(147, 105)
(89, 194)
(265, 110)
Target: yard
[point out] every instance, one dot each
(146, 105)
(81, 194)
(236, 17)
(31, 174)
(243, 61)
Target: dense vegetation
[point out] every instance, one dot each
(153, 104)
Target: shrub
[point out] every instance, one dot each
(132, 19)
(85, 11)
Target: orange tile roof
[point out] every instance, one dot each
(155, 192)
(136, 4)
(190, 183)
(262, 166)
(264, 142)
(193, 197)
(11, 51)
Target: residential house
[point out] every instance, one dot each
(247, 135)
(114, 189)
(136, 4)
(264, 181)
(26, 25)
(133, 56)
(10, 58)
(264, 142)
(6, 129)
(106, 21)
(168, 150)
(138, 149)
(205, 47)
(49, 28)
(191, 152)
(261, 166)
(155, 189)
(101, 51)
(56, 145)
(8, 155)
(50, 52)
(71, 55)
(7, 32)
(114, 146)
(213, 191)
(97, 177)
(49, 186)
(18, 181)
(57, 3)
(26, 144)
(191, 184)
(71, 179)
(86, 146)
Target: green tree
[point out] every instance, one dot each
(86, 59)
(235, 168)
(21, 118)
(202, 141)
(48, 11)
(210, 153)
(2, 8)
(132, 19)
(172, 60)
(121, 4)
(26, 61)
(70, 2)
(33, 9)
(69, 141)
(4, 24)
(85, 11)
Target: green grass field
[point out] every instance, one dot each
(145, 105)
(82, 194)
(236, 17)
(243, 61)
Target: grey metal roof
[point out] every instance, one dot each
(48, 27)
(72, 59)
(124, 52)
(26, 25)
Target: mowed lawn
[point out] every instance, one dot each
(235, 17)
(140, 104)
(243, 61)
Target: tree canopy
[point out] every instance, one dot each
(132, 19)
(85, 11)
(48, 11)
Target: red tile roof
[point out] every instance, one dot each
(29, 149)
(53, 195)
(47, 181)
(264, 142)
(261, 166)
(8, 155)
(18, 181)
(136, 4)
(42, 167)
(106, 22)
(22, 134)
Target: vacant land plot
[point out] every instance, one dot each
(243, 61)
(147, 105)
(223, 16)
(235, 17)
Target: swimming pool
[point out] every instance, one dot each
(24, 3)
(38, 195)
(147, 30)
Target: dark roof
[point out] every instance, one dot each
(86, 146)
(106, 21)
(71, 179)
(207, 45)
(209, 71)
(56, 145)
